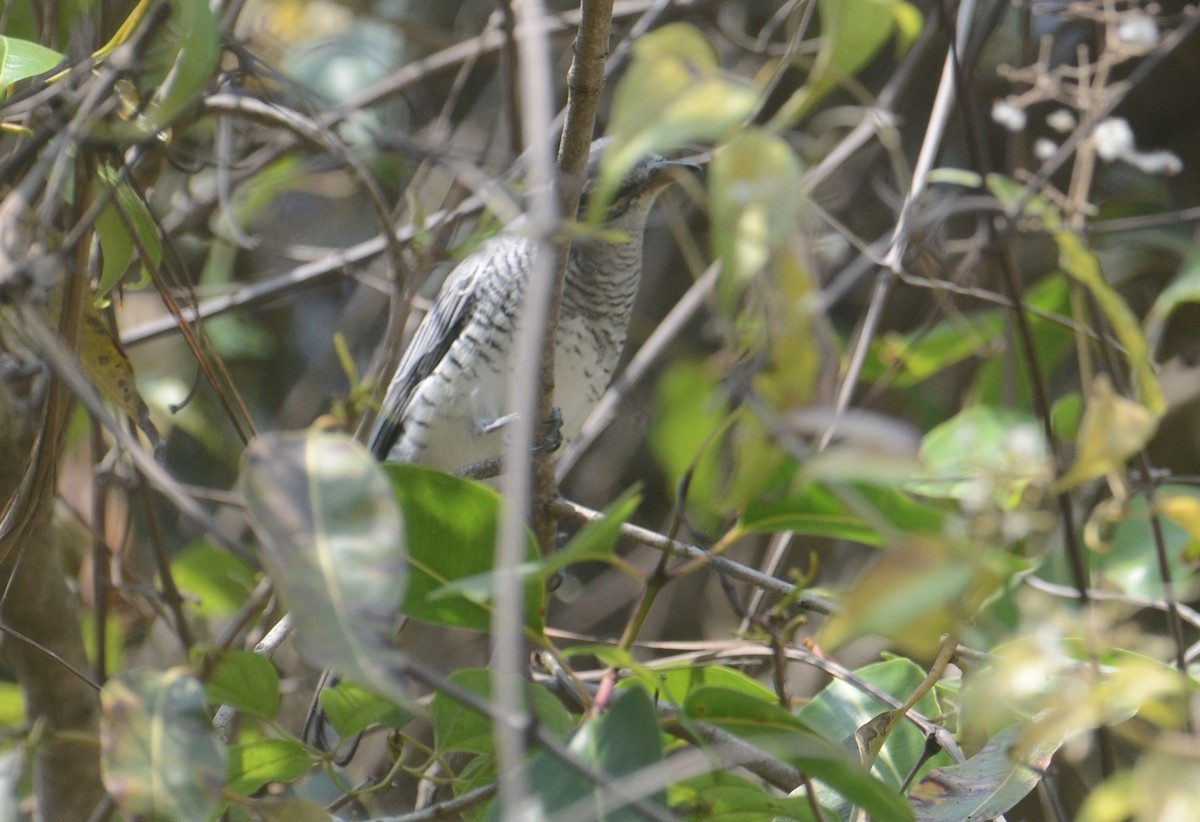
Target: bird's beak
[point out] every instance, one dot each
(668, 171)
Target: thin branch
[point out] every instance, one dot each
(579, 514)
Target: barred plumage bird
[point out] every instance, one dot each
(445, 407)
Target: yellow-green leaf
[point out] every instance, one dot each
(672, 93)
(1112, 430)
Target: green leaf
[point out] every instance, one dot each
(872, 515)
(451, 527)
(352, 709)
(988, 784)
(241, 679)
(1184, 289)
(159, 756)
(593, 543)
(333, 542)
(596, 540)
(793, 740)
(619, 743)
(722, 796)
(690, 409)
(852, 33)
(267, 760)
(12, 705)
(675, 683)
(912, 358)
(840, 709)
(458, 728)
(1082, 264)
(1111, 431)
(21, 58)
(756, 190)
(984, 451)
(672, 93)
(1001, 381)
(924, 588)
(728, 457)
(1129, 562)
(215, 582)
(124, 227)
(182, 61)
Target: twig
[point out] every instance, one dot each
(574, 512)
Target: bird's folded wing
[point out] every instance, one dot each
(438, 330)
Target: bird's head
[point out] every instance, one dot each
(632, 194)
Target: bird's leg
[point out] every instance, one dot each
(552, 438)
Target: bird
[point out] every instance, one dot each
(445, 406)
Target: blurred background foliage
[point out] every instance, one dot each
(855, 376)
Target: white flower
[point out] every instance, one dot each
(1044, 149)
(1061, 121)
(1008, 116)
(1138, 30)
(1114, 139)
(1156, 162)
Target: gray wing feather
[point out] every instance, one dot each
(439, 329)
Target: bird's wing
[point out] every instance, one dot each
(438, 330)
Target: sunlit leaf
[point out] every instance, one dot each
(672, 93)
(332, 539)
(765, 286)
(673, 684)
(241, 679)
(351, 709)
(1112, 430)
(852, 33)
(12, 705)
(263, 761)
(984, 453)
(755, 183)
(917, 593)
(21, 58)
(159, 756)
(213, 581)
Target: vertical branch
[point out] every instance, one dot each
(509, 78)
(511, 718)
(38, 611)
(585, 82)
(532, 389)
